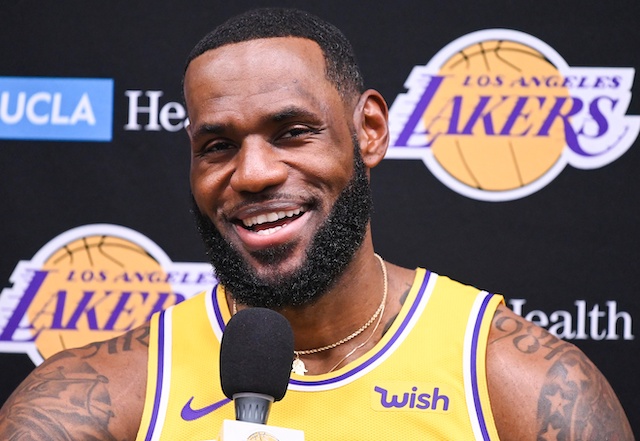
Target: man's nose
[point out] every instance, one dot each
(258, 167)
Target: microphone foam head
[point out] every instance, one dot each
(256, 353)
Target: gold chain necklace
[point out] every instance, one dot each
(298, 366)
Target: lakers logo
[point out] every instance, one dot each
(88, 284)
(497, 115)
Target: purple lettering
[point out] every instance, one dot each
(160, 303)
(202, 277)
(91, 315)
(569, 133)
(55, 316)
(517, 113)
(23, 305)
(413, 400)
(598, 117)
(615, 82)
(437, 397)
(419, 110)
(568, 81)
(600, 83)
(552, 81)
(480, 113)
(120, 308)
(84, 308)
(423, 401)
(58, 313)
(394, 402)
(456, 102)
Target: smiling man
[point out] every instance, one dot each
(290, 203)
(283, 136)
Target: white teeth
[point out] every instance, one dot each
(270, 217)
(268, 231)
(262, 219)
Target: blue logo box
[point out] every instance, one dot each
(56, 109)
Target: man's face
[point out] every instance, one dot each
(272, 151)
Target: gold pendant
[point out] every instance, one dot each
(298, 367)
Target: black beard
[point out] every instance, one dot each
(331, 250)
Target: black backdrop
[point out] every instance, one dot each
(575, 239)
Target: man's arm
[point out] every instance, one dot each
(543, 388)
(94, 392)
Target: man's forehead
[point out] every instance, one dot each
(256, 67)
(274, 51)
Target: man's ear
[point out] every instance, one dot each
(371, 118)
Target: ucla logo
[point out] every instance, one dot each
(71, 109)
(408, 396)
(91, 283)
(497, 114)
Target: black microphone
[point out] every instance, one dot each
(255, 362)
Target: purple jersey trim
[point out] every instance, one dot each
(216, 307)
(474, 369)
(160, 373)
(380, 353)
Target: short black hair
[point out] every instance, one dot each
(340, 62)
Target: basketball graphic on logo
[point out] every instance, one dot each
(492, 115)
(96, 288)
(261, 436)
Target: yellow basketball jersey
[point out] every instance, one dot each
(424, 380)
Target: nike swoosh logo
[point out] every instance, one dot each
(190, 414)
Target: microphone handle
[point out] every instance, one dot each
(252, 407)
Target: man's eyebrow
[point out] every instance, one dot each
(205, 129)
(284, 114)
(292, 112)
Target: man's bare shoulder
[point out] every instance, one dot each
(542, 387)
(93, 392)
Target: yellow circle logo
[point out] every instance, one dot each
(90, 284)
(97, 288)
(496, 115)
(476, 154)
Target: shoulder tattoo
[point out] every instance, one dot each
(59, 402)
(124, 343)
(576, 402)
(67, 397)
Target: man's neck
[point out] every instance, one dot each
(349, 304)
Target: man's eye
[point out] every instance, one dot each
(215, 147)
(297, 132)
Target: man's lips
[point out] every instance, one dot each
(271, 228)
(268, 223)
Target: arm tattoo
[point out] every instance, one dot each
(528, 338)
(61, 403)
(68, 400)
(576, 403)
(120, 344)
